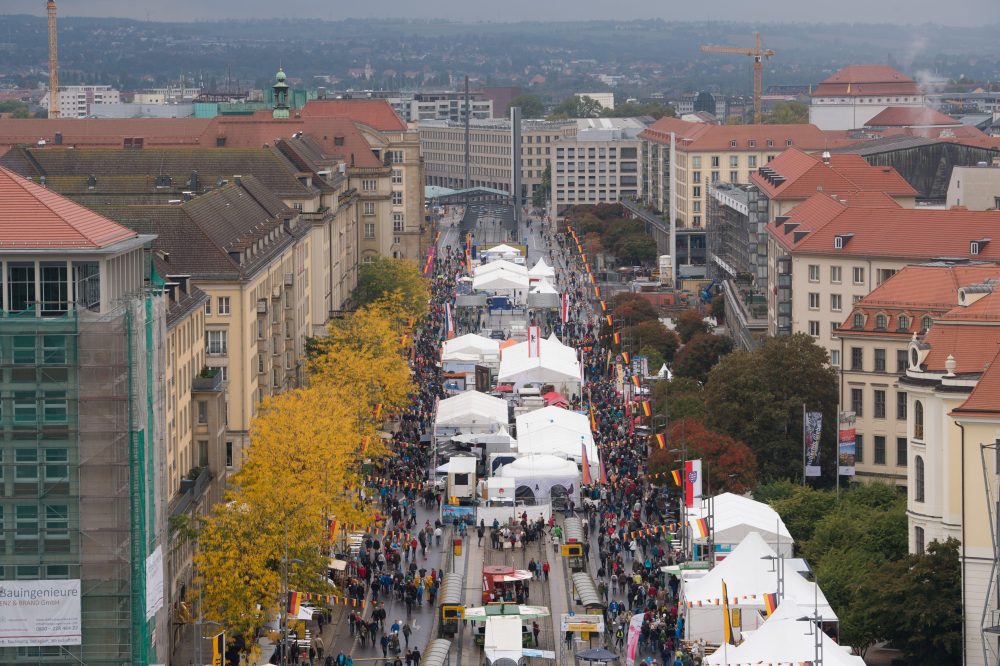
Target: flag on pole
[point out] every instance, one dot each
(219, 649)
(294, 602)
(770, 603)
(449, 321)
(676, 474)
(661, 440)
(646, 409)
(609, 320)
(534, 341)
(593, 421)
(604, 468)
(727, 625)
(334, 527)
(701, 525)
(604, 306)
(625, 357)
(377, 412)
(635, 380)
(564, 307)
(692, 482)
(617, 337)
(587, 479)
(597, 292)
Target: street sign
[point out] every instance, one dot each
(572, 550)
(581, 623)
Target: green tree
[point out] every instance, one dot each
(729, 464)
(802, 510)
(690, 323)
(653, 335)
(678, 398)
(718, 307)
(531, 105)
(15, 108)
(635, 249)
(918, 605)
(788, 113)
(385, 276)
(699, 356)
(632, 308)
(634, 109)
(653, 358)
(846, 581)
(576, 106)
(758, 397)
(540, 197)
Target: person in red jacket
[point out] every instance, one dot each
(545, 569)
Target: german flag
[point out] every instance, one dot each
(701, 524)
(617, 337)
(676, 474)
(592, 280)
(294, 602)
(604, 306)
(635, 380)
(770, 603)
(378, 410)
(625, 357)
(334, 528)
(661, 441)
(364, 444)
(609, 320)
(593, 421)
(597, 292)
(646, 410)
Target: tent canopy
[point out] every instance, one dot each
(502, 280)
(472, 408)
(782, 639)
(499, 265)
(544, 287)
(555, 362)
(736, 516)
(556, 431)
(470, 343)
(749, 573)
(541, 270)
(502, 249)
(538, 465)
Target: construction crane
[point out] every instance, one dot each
(50, 7)
(758, 54)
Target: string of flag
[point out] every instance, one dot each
(295, 600)
(393, 483)
(718, 601)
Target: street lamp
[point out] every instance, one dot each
(780, 570)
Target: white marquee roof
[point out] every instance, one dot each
(555, 431)
(470, 343)
(736, 516)
(556, 359)
(541, 269)
(537, 465)
(499, 280)
(503, 248)
(499, 264)
(472, 408)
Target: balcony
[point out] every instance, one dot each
(193, 486)
(210, 379)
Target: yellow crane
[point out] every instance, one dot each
(758, 54)
(50, 8)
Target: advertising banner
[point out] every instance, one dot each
(846, 444)
(154, 583)
(39, 612)
(692, 482)
(812, 427)
(632, 640)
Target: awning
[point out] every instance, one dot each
(338, 565)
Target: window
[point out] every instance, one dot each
(223, 305)
(397, 222)
(901, 451)
(734, 161)
(814, 329)
(918, 420)
(25, 465)
(54, 349)
(696, 191)
(902, 323)
(879, 360)
(56, 521)
(835, 274)
(715, 161)
(901, 405)
(56, 465)
(217, 342)
(55, 289)
(696, 162)
(55, 407)
(752, 159)
(813, 300)
(857, 358)
(901, 362)
(26, 522)
(835, 357)
(859, 275)
(208, 306)
(696, 177)
(397, 176)
(879, 406)
(879, 455)
(884, 274)
(859, 320)
(397, 198)
(21, 287)
(715, 176)
(859, 448)
(881, 322)
(368, 208)
(732, 143)
(857, 401)
(229, 454)
(25, 408)
(369, 185)
(202, 453)
(814, 272)
(925, 323)
(918, 538)
(369, 230)
(835, 302)
(918, 479)
(202, 411)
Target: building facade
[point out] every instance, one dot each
(975, 187)
(599, 165)
(850, 97)
(79, 101)
(83, 333)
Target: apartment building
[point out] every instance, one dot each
(599, 165)
(447, 106)
(975, 187)
(82, 333)
(828, 253)
(79, 101)
(443, 147)
(874, 344)
(739, 216)
(953, 389)
(710, 154)
(853, 95)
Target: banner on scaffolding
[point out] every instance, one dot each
(40, 612)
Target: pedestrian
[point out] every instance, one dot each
(545, 569)
(406, 634)
(384, 642)
(535, 629)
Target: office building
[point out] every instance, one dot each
(80, 101)
(599, 165)
(853, 95)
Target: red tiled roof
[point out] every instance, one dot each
(910, 116)
(973, 346)
(883, 228)
(866, 80)
(375, 113)
(34, 217)
(703, 136)
(804, 174)
(916, 291)
(102, 131)
(985, 397)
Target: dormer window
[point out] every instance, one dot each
(732, 143)
(925, 323)
(770, 143)
(881, 322)
(977, 246)
(751, 143)
(788, 142)
(859, 320)
(840, 240)
(902, 323)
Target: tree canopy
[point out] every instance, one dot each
(576, 106)
(384, 276)
(729, 465)
(690, 323)
(531, 105)
(634, 109)
(697, 358)
(788, 113)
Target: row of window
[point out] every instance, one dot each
(879, 450)
(34, 464)
(27, 406)
(857, 360)
(29, 521)
(878, 403)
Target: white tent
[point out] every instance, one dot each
(470, 343)
(502, 251)
(543, 287)
(503, 639)
(499, 265)
(501, 282)
(541, 270)
(785, 639)
(736, 516)
(556, 364)
(538, 473)
(471, 411)
(556, 431)
(749, 572)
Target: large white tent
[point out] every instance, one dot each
(541, 270)
(750, 572)
(784, 639)
(502, 251)
(535, 476)
(736, 516)
(555, 364)
(501, 282)
(556, 431)
(543, 287)
(464, 353)
(471, 411)
(499, 265)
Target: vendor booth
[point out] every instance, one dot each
(550, 363)
(543, 479)
(558, 432)
(470, 412)
(735, 516)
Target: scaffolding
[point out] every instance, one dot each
(990, 624)
(95, 388)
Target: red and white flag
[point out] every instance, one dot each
(534, 341)
(449, 321)
(692, 482)
(564, 308)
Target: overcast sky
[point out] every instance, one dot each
(956, 12)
